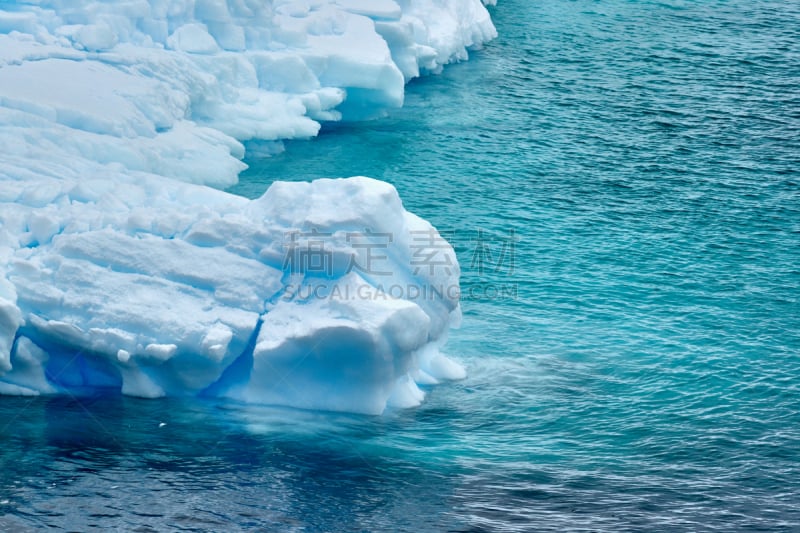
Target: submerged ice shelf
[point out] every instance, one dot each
(121, 270)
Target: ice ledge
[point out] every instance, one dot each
(174, 88)
(312, 296)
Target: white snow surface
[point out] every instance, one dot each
(122, 270)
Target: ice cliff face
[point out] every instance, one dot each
(114, 275)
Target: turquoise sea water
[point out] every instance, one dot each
(622, 182)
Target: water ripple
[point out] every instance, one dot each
(641, 376)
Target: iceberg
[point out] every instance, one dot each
(123, 270)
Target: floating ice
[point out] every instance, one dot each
(121, 270)
(173, 88)
(317, 295)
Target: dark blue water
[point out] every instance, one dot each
(622, 182)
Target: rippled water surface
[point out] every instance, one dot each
(622, 182)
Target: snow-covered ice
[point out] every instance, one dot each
(121, 269)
